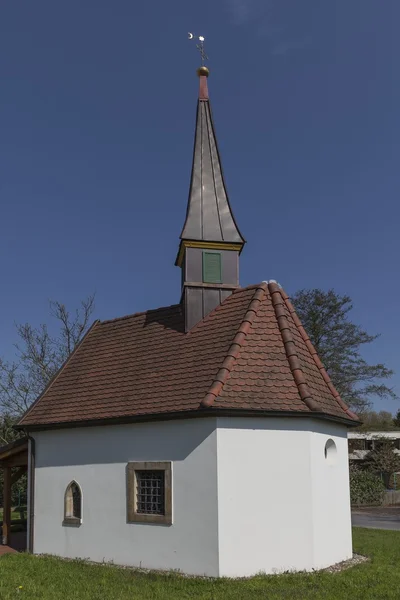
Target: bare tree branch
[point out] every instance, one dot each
(39, 355)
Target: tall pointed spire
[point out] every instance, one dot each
(209, 216)
(210, 240)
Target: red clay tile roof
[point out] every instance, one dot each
(251, 353)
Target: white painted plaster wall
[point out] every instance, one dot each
(249, 495)
(281, 507)
(96, 458)
(330, 496)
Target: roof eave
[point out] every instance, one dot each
(15, 447)
(190, 414)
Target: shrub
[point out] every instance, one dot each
(365, 488)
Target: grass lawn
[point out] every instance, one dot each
(15, 514)
(53, 579)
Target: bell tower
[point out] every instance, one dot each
(210, 242)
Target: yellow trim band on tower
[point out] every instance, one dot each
(206, 246)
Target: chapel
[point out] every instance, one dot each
(205, 436)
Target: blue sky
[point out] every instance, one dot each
(97, 110)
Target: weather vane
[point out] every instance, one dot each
(199, 46)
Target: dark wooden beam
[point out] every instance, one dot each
(7, 506)
(19, 460)
(14, 448)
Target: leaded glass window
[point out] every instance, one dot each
(150, 492)
(76, 501)
(73, 504)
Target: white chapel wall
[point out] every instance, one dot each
(273, 515)
(331, 495)
(96, 457)
(264, 492)
(249, 495)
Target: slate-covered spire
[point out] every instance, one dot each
(210, 240)
(209, 216)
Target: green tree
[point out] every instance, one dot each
(383, 459)
(396, 419)
(365, 487)
(7, 431)
(338, 341)
(377, 421)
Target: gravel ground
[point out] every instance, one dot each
(357, 559)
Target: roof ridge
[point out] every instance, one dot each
(235, 347)
(60, 370)
(316, 358)
(252, 286)
(139, 314)
(290, 347)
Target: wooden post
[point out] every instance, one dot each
(7, 506)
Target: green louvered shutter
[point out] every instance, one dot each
(212, 268)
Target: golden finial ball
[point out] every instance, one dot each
(203, 71)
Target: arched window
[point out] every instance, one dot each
(330, 452)
(73, 504)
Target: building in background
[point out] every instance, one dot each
(361, 443)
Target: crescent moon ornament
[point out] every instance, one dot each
(199, 46)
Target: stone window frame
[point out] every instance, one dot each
(132, 515)
(69, 517)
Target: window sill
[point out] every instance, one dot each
(72, 522)
(153, 519)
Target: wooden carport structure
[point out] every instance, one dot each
(14, 462)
